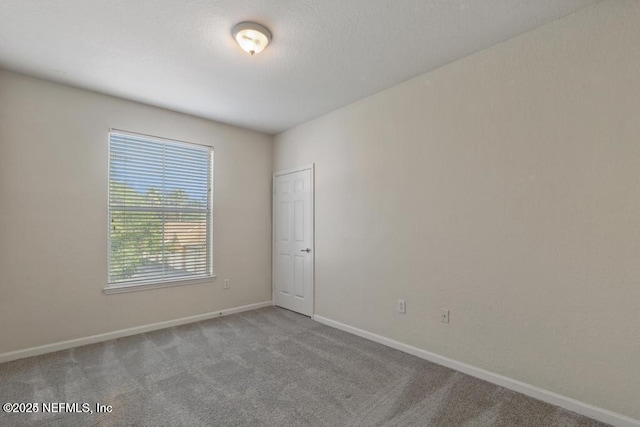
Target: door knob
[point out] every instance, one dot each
(305, 250)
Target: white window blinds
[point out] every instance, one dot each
(159, 209)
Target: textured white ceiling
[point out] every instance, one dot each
(324, 54)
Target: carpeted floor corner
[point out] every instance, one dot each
(267, 367)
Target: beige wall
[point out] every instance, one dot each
(53, 215)
(504, 187)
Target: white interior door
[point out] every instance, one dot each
(293, 240)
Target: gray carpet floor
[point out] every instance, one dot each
(266, 367)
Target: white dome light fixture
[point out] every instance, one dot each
(251, 37)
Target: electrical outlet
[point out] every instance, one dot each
(444, 316)
(227, 283)
(402, 306)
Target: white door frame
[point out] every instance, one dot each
(312, 168)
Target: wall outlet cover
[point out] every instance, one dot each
(402, 306)
(444, 316)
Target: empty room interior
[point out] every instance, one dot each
(418, 212)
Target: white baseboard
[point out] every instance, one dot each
(63, 345)
(591, 411)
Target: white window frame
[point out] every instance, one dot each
(121, 287)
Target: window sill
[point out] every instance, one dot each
(134, 287)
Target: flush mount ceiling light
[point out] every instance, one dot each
(251, 37)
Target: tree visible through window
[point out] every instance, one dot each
(159, 209)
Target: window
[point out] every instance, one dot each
(159, 210)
